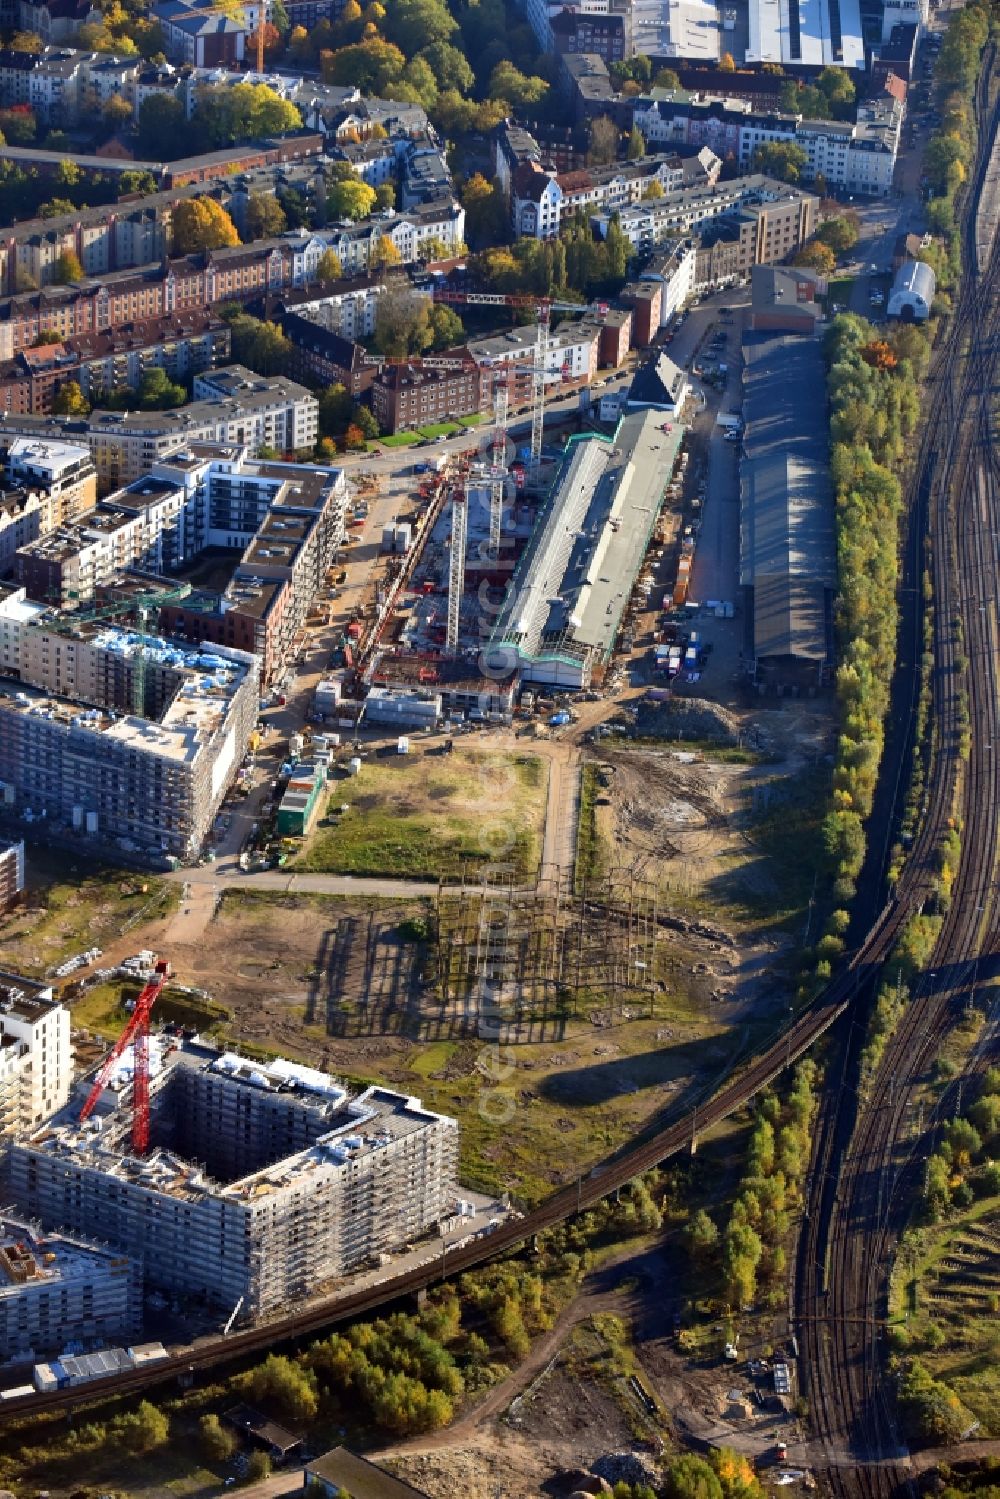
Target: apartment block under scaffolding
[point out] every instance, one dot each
(115, 737)
(265, 1183)
(56, 1290)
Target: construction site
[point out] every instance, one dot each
(503, 532)
(237, 1184)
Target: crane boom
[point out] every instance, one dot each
(136, 1032)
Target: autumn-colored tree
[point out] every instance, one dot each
(202, 224)
(817, 257)
(329, 268)
(384, 254)
(879, 355)
(68, 269)
(727, 63)
(265, 217)
(354, 438)
(69, 400)
(351, 199)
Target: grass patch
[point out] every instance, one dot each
(786, 831)
(102, 1011)
(471, 419)
(839, 291)
(423, 816)
(61, 918)
(401, 440)
(591, 849)
(439, 429)
(945, 1301)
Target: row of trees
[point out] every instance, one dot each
(751, 1251)
(26, 193)
(873, 387)
(949, 151)
(573, 266)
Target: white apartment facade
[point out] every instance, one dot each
(36, 1057)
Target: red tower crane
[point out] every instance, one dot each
(136, 1032)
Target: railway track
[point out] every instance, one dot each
(833, 1333)
(867, 1164)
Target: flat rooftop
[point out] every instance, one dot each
(25, 999)
(28, 1258)
(207, 681)
(343, 1127)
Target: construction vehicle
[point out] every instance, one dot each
(136, 1034)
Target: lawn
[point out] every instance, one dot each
(101, 1009)
(399, 440)
(421, 816)
(439, 429)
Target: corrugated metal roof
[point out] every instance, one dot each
(787, 542)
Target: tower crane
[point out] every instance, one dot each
(136, 1032)
(142, 605)
(543, 308)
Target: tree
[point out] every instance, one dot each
(450, 67)
(218, 1443)
(402, 323)
(817, 257)
(782, 159)
(447, 328)
(365, 419)
(485, 211)
(261, 346)
(69, 400)
(18, 125)
(841, 233)
(164, 131)
(68, 269)
(691, 1477)
(602, 147)
(667, 79)
(265, 217)
(702, 1234)
(26, 41)
(285, 1384)
(653, 190)
(726, 63)
(55, 208)
(140, 183)
(336, 409)
(202, 224)
(934, 1414)
(329, 268)
(385, 196)
(636, 146)
(258, 1466)
(157, 392)
(371, 66)
(508, 82)
(383, 254)
(115, 113)
(279, 17)
(354, 438)
(413, 24)
(352, 199)
(226, 116)
(144, 1429)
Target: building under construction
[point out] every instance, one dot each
(115, 737)
(263, 1183)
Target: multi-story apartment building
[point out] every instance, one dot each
(857, 157)
(426, 176)
(254, 412)
(121, 236)
(300, 1182)
(541, 201)
(603, 27)
(36, 1058)
(407, 396)
(42, 485)
(105, 362)
(349, 310)
(11, 873)
(174, 288)
(55, 1290)
(767, 219)
(197, 32)
(109, 754)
